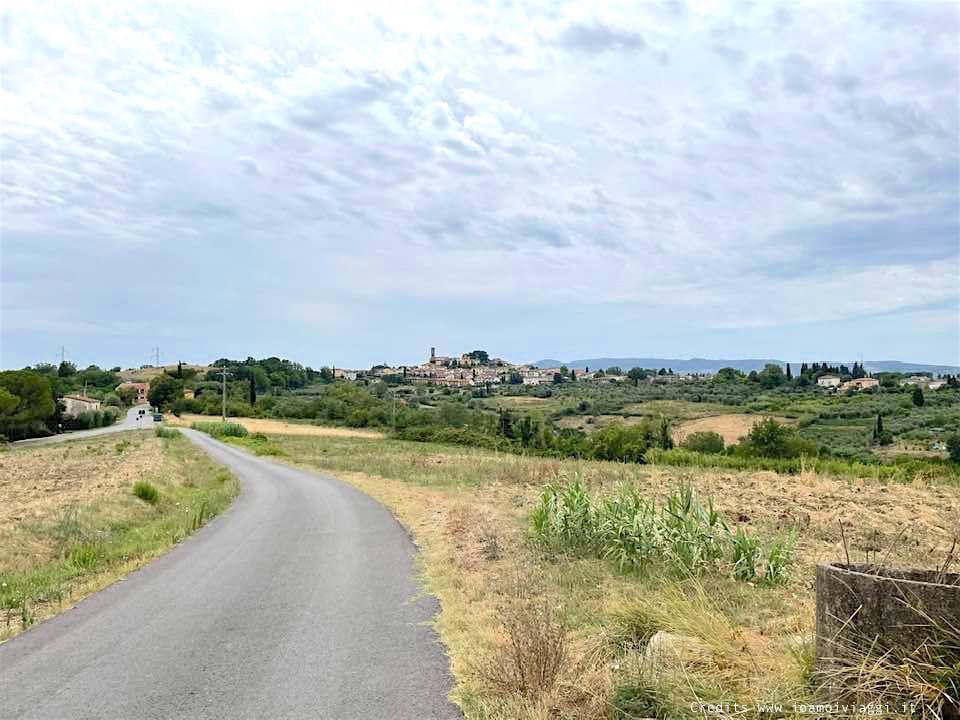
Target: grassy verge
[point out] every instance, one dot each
(554, 609)
(85, 513)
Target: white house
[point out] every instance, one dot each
(76, 404)
(828, 381)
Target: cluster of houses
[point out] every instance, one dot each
(476, 368)
(837, 383)
(923, 381)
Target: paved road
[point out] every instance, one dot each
(298, 602)
(133, 421)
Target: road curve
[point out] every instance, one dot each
(299, 602)
(133, 421)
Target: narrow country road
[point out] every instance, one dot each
(133, 421)
(299, 602)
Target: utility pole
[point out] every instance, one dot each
(63, 354)
(156, 355)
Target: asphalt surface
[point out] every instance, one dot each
(298, 602)
(133, 421)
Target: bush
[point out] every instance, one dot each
(704, 441)
(168, 433)
(617, 441)
(953, 447)
(146, 492)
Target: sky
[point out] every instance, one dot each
(352, 183)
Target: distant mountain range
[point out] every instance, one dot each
(707, 365)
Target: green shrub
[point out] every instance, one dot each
(221, 429)
(618, 441)
(953, 447)
(167, 433)
(704, 441)
(146, 492)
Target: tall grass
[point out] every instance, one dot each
(685, 535)
(221, 429)
(899, 470)
(146, 492)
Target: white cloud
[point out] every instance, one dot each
(741, 159)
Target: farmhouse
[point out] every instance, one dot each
(828, 381)
(76, 404)
(859, 384)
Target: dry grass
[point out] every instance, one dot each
(279, 427)
(38, 484)
(730, 427)
(469, 512)
(70, 523)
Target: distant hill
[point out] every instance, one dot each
(744, 365)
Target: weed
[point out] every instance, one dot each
(167, 433)
(530, 662)
(85, 556)
(779, 561)
(638, 701)
(745, 555)
(146, 492)
(687, 536)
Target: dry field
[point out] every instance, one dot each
(70, 523)
(731, 427)
(469, 511)
(278, 427)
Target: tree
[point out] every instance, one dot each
(481, 357)
(771, 376)
(515, 378)
(179, 370)
(918, 398)
(878, 427)
(26, 403)
(573, 375)
(704, 441)
(164, 391)
(66, 369)
(637, 374)
(127, 395)
(789, 374)
(728, 374)
(253, 390)
(768, 438)
(664, 439)
(953, 447)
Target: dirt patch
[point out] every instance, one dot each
(280, 427)
(731, 427)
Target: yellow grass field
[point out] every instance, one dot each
(730, 427)
(277, 427)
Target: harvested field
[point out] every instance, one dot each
(71, 524)
(279, 427)
(470, 512)
(731, 427)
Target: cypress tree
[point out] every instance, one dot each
(789, 374)
(253, 391)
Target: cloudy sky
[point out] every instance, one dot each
(345, 183)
